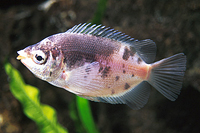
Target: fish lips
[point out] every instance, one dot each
(22, 55)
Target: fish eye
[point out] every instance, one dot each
(39, 57)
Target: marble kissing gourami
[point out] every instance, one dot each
(104, 65)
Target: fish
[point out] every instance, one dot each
(105, 65)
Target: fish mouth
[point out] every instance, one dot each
(22, 55)
(19, 57)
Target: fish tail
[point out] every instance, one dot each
(167, 74)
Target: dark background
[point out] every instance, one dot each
(173, 24)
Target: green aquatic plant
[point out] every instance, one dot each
(43, 115)
(81, 114)
(85, 115)
(99, 13)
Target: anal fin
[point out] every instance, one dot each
(136, 98)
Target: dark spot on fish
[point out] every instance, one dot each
(126, 86)
(85, 76)
(73, 58)
(139, 60)
(132, 75)
(77, 59)
(116, 78)
(126, 53)
(112, 91)
(124, 71)
(132, 51)
(84, 48)
(55, 52)
(105, 72)
(100, 69)
(123, 65)
(50, 73)
(87, 70)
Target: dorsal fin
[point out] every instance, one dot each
(146, 49)
(99, 30)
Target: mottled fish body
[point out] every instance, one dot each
(104, 65)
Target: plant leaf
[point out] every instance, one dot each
(85, 115)
(99, 13)
(73, 112)
(43, 115)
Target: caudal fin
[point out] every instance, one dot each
(167, 75)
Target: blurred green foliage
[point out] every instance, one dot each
(75, 117)
(99, 12)
(81, 114)
(43, 115)
(85, 115)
